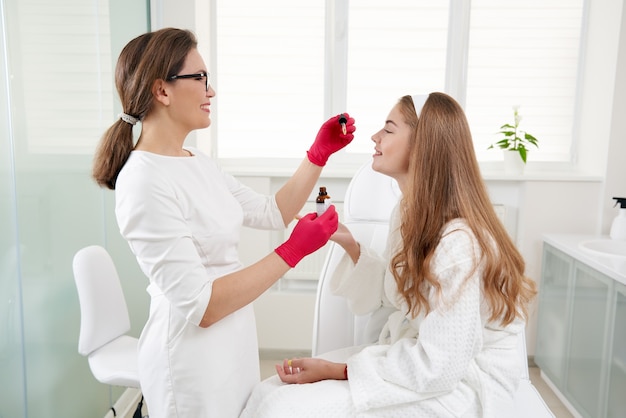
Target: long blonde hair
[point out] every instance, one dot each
(444, 184)
(145, 59)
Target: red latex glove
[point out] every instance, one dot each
(331, 138)
(309, 235)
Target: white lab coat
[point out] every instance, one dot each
(182, 217)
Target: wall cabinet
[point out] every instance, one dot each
(616, 392)
(581, 334)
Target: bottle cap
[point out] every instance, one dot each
(621, 201)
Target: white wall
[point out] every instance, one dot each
(553, 206)
(615, 185)
(598, 74)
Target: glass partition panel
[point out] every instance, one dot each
(12, 395)
(57, 73)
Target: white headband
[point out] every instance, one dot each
(418, 102)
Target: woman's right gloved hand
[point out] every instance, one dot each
(331, 138)
(309, 235)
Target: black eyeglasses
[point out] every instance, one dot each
(198, 76)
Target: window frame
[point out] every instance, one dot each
(600, 27)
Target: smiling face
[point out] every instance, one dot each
(391, 155)
(190, 98)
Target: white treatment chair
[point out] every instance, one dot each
(368, 203)
(104, 320)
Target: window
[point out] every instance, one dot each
(393, 50)
(524, 54)
(283, 67)
(62, 74)
(62, 60)
(269, 78)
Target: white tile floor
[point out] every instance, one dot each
(553, 402)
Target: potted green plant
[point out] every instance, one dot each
(514, 139)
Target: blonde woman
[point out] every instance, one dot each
(451, 277)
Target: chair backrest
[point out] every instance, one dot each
(103, 310)
(370, 199)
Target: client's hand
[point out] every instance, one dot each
(309, 370)
(344, 237)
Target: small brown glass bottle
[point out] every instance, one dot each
(322, 201)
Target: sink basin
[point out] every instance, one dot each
(605, 247)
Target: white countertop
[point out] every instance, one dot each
(611, 266)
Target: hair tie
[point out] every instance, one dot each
(418, 102)
(128, 118)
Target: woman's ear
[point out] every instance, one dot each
(160, 92)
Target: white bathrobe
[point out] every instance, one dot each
(182, 217)
(451, 362)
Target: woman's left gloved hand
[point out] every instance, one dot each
(309, 235)
(331, 138)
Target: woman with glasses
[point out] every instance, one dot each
(181, 215)
(451, 284)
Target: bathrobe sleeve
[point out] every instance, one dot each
(449, 337)
(362, 284)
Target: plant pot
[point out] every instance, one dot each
(513, 163)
